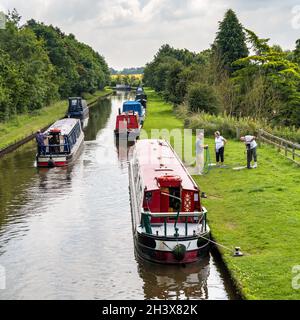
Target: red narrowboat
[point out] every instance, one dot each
(169, 221)
(128, 126)
(60, 144)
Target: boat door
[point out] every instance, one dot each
(170, 188)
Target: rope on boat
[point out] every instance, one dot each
(238, 253)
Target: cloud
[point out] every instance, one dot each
(129, 32)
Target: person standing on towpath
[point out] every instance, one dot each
(220, 147)
(251, 147)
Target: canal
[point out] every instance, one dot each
(65, 233)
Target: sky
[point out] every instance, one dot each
(128, 33)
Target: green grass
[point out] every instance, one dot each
(257, 210)
(23, 125)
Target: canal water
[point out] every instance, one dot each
(65, 233)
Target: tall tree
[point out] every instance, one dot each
(230, 43)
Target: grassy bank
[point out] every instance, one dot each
(258, 210)
(23, 125)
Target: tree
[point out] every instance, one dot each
(230, 42)
(279, 75)
(40, 64)
(202, 97)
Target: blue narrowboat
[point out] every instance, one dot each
(60, 144)
(135, 106)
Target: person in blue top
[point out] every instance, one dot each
(40, 137)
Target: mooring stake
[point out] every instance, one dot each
(238, 252)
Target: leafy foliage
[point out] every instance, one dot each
(278, 73)
(202, 98)
(225, 79)
(40, 64)
(230, 42)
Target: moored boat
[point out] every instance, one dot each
(169, 221)
(78, 109)
(142, 98)
(60, 144)
(128, 126)
(135, 106)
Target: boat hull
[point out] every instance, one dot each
(164, 251)
(132, 135)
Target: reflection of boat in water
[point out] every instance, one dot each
(169, 222)
(175, 282)
(62, 143)
(124, 149)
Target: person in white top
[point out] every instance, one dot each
(220, 147)
(251, 146)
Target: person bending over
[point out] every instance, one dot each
(251, 146)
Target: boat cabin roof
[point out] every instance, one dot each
(64, 125)
(156, 159)
(133, 106)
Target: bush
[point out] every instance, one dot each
(202, 97)
(228, 125)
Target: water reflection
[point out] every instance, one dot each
(99, 115)
(175, 282)
(65, 233)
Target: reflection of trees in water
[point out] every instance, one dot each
(175, 282)
(54, 179)
(120, 96)
(98, 118)
(16, 171)
(22, 183)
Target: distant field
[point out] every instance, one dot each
(135, 76)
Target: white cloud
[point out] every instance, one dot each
(129, 32)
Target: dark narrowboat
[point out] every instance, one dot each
(78, 109)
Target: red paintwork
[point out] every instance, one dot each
(130, 118)
(56, 164)
(168, 257)
(168, 181)
(161, 169)
(55, 130)
(161, 178)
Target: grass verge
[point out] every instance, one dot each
(258, 210)
(23, 125)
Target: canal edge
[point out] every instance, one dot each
(18, 144)
(228, 278)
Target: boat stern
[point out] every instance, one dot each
(51, 161)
